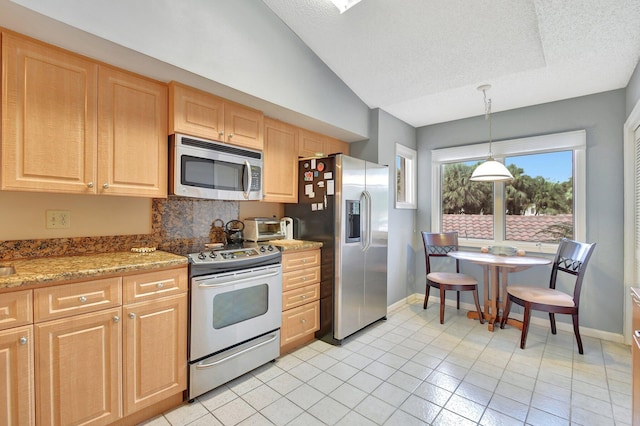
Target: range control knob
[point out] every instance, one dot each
(201, 256)
(213, 255)
(270, 247)
(262, 249)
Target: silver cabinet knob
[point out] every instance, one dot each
(82, 299)
(90, 185)
(230, 135)
(221, 134)
(303, 321)
(132, 315)
(304, 296)
(304, 278)
(160, 285)
(23, 340)
(116, 318)
(105, 185)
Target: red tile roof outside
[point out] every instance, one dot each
(519, 228)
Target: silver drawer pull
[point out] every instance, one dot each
(23, 340)
(303, 321)
(116, 319)
(304, 278)
(132, 315)
(304, 296)
(82, 299)
(160, 285)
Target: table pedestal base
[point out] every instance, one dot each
(495, 321)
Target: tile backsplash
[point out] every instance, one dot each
(179, 225)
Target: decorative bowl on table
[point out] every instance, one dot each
(503, 250)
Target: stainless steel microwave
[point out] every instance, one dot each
(205, 169)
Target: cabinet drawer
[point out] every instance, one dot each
(297, 279)
(300, 260)
(298, 322)
(155, 284)
(73, 299)
(16, 309)
(300, 296)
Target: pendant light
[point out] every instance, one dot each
(491, 170)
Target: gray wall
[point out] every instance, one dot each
(633, 90)
(602, 116)
(401, 261)
(238, 49)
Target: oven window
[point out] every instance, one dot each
(235, 306)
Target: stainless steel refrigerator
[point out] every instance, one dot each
(343, 203)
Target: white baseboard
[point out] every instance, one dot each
(563, 326)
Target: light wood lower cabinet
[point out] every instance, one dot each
(104, 349)
(155, 350)
(79, 369)
(16, 383)
(300, 297)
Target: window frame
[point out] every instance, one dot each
(568, 141)
(410, 177)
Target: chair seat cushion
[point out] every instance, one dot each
(543, 295)
(451, 278)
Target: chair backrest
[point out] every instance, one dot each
(572, 258)
(438, 245)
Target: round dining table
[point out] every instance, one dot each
(495, 265)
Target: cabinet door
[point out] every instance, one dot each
(335, 146)
(16, 382)
(79, 369)
(243, 126)
(280, 162)
(132, 129)
(155, 351)
(49, 103)
(311, 144)
(195, 113)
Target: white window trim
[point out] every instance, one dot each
(411, 177)
(575, 141)
(630, 252)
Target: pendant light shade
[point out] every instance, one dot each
(491, 170)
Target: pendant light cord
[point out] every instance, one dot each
(487, 116)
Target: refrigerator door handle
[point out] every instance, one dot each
(366, 235)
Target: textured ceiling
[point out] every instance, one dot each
(422, 60)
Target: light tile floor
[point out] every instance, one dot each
(410, 370)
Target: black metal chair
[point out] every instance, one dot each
(438, 245)
(571, 258)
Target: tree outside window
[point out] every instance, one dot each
(542, 204)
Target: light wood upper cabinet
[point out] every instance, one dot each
(49, 118)
(132, 142)
(313, 144)
(72, 125)
(16, 386)
(280, 178)
(198, 113)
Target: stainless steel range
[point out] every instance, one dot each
(236, 313)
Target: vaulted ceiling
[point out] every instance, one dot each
(422, 60)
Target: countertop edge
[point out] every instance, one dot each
(30, 272)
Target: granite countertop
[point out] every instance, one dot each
(48, 269)
(290, 245)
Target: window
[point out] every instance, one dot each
(543, 203)
(406, 177)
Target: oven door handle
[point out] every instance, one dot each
(241, 280)
(225, 359)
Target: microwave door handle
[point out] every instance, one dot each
(248, 171)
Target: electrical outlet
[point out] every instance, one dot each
(58, 219)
